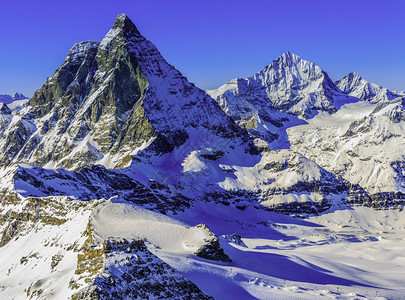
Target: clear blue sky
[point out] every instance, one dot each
(211, 41)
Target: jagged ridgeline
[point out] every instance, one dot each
(107, 101)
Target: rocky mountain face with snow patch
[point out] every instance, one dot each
(106, 102)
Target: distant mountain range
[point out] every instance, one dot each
(16, 101)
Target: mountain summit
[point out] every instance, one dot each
(273, 99)
(124, 23)
(289, 83)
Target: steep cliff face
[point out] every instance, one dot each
(107, 101)
(131, 271)
(5, 117)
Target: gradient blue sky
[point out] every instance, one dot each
(211, 41)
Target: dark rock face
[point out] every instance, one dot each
(234, 238)
(211, 249)
(378, 201)
(132, 272)
(98, 182)
(5, 118)
(4, 110)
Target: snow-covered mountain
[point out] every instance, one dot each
(108, 101)
(275, 98)
(362, 142)
(359, 139)
(8, 99)
(289, 84)
(14, 102)
(354, 85)
(118, 103)
(120, 179)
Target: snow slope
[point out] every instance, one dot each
(346, 253)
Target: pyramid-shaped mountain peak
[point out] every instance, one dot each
(354, 75)
(290, 55)
(123, 96)
(124, 23)
(289, 59)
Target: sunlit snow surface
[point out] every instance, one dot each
(347, 253)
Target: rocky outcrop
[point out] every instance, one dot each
(19, 215)
(131, 271)
(97, 182)
(211, 249)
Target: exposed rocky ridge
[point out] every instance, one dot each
(97, 182)
(378, 201)
(131, 271)
(354, 85)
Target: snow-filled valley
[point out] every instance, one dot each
(120, 179)
(346, 253)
